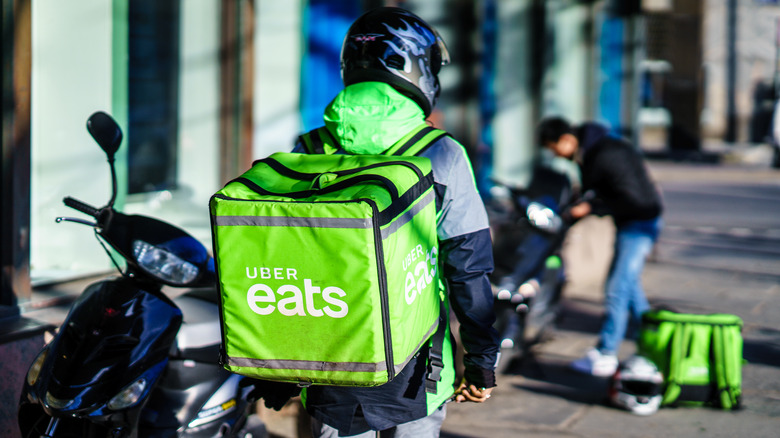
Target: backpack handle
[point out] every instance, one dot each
(314, 178)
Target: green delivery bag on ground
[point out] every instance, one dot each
(700, 356)
(327, 267)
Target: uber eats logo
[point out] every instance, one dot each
(292, 301)
(296, 299)
(423, 273)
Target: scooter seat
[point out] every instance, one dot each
(199, 337)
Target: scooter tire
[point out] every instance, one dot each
(66, 429)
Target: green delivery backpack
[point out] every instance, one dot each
(327, 266)
(700, 356)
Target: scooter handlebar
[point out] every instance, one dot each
(81, 206)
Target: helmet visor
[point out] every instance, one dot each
(444, 54)
(641, 387)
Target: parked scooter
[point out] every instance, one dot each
(128, 361)
(528, 228)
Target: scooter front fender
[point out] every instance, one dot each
(116, 333)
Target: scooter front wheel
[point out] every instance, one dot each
(44, 426)
(254, 428)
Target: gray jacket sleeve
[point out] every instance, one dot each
(467, 258)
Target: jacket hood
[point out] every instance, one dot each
(369, 117)
(589, 134)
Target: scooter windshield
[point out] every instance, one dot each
(160, 250)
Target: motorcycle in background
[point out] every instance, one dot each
(528, 227)
(128, 361)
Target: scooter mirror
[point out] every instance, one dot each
(106, 132)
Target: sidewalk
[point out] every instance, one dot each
(717, 152)
(542, 397)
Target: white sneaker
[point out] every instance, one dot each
(596, 364)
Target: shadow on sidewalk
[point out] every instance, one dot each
(553, 377)
(762, 346)
(580, 315)
(445, 434)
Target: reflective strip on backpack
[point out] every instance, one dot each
(280, 364)
(311, 365)
(281, 221)
(408, 216)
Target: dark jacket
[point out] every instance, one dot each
(616, 172)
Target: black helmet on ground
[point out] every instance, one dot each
(394, 46)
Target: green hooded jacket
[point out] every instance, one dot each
(369, 117)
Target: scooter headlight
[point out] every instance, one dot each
(128, 396)
(35, 368)
(543, 217)
(164, 264)
(57, 403)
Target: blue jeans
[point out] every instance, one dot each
(426, 427)
(625, 297)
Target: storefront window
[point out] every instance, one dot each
(153, 65)
(153, 77)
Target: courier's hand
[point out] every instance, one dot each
(275, 394)
(468, 392)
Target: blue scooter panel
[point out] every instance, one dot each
(113, 333)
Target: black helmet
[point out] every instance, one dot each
(394, 46)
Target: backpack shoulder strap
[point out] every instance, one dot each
(416, 141)
(677, 345)
(435, 365)
(718, 362)
(319, 141)
(727, 369)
